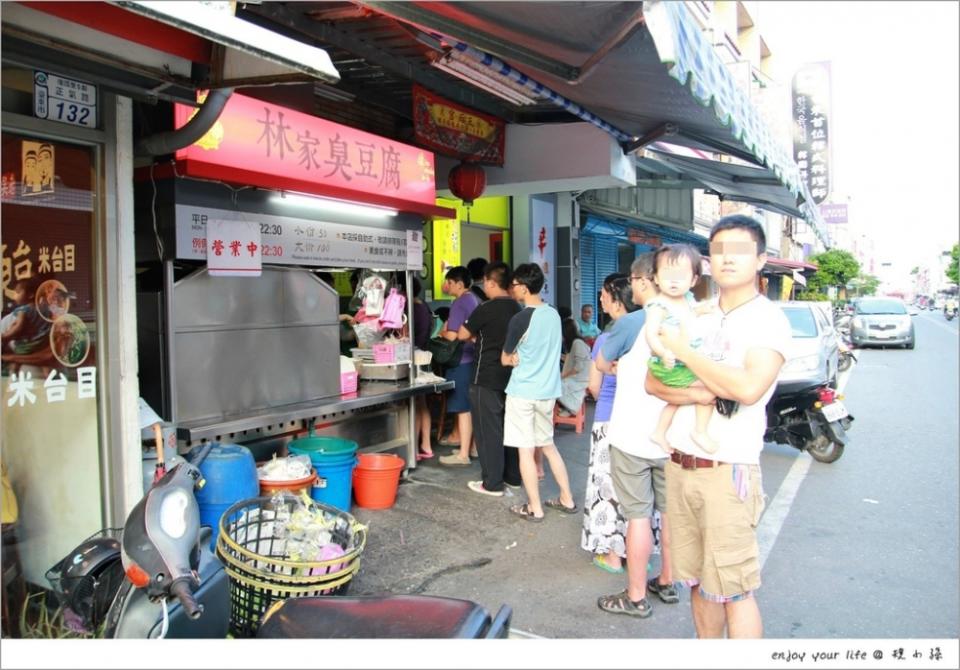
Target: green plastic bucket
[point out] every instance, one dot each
(324, 450)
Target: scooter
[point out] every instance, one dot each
(810, 416)
(845, 357)
(165, 555)
(949, 312)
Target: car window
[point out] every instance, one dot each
(881, 307)
(802, 323)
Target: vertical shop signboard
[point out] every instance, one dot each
(542, 243)
(811, 128)
(446, 252)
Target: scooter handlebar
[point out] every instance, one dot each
(181, 589)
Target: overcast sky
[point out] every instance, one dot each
(895, 112)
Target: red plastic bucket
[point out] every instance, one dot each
(376, 478)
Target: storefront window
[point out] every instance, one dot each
(49, 374)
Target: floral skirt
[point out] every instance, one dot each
(604, 528)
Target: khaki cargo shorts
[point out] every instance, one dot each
(639, 484)
(712, 530)
(528, 423)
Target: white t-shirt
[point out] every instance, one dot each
(757, 324)
(635, 412)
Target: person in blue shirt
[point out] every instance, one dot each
(532, 349)
(588, 329)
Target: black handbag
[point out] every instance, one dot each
(446, 353)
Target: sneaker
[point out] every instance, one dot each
(454, 459)
(477, 487)
(513, 486)
(666, 592)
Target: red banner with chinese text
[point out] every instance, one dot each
(457, 131)
(257, 137)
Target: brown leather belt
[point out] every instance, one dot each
(691, 462)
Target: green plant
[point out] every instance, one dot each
(813, 296)
(953, 270)
(835, 268)
(37, 621)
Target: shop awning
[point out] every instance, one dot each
(651, 234)
(215, 21)
(743, 183)
(787, 266)
(650, 75)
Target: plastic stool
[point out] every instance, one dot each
(577, 420)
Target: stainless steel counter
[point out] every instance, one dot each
(369, 394)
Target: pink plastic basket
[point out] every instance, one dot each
(348, 382)
(384, 353)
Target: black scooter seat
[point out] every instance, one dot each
(376, 617)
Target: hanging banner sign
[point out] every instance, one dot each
(811, 131)
(453, 130)
(262, 144)
(639, 237)
(415, 250)
(285, 240)
(233, 248)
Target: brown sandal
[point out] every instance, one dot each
(525, 513)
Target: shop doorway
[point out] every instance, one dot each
(481, 241)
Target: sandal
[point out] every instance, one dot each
(666, 592)
(601, 563)
(554, 503)
(423, 456)
(620, 603)
(524, 512)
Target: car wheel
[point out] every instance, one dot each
(910, 344)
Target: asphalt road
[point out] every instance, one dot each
(865, 547)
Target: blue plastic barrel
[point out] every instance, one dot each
(334, 484)
(334, 459)
(231, 475)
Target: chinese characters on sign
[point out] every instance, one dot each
(414, 250)
(833, 213)
(22, 387)
(457, 131)
(65, 100)
(285, 240)
(234, 248)
(283, 142)
(811, 132)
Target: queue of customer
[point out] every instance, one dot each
(699, 472)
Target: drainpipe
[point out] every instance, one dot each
(169, 141)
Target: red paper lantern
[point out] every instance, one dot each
(467, 181)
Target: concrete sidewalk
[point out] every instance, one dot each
(440, 538)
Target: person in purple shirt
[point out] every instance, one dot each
(457, 285)
(604, 528)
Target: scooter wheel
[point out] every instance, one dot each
(823, 450)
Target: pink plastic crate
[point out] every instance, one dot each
(348, 382)
(384, 353)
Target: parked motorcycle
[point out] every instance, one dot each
(166, 557)
(845, 357)
(810, 416)
(949, 311)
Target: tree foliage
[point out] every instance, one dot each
(864, 284)
(953, 270)
(836, 268)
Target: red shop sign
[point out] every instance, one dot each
(275, 147)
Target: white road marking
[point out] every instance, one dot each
(776, 513)
(779, 508)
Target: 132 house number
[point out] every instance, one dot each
(72, 113)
